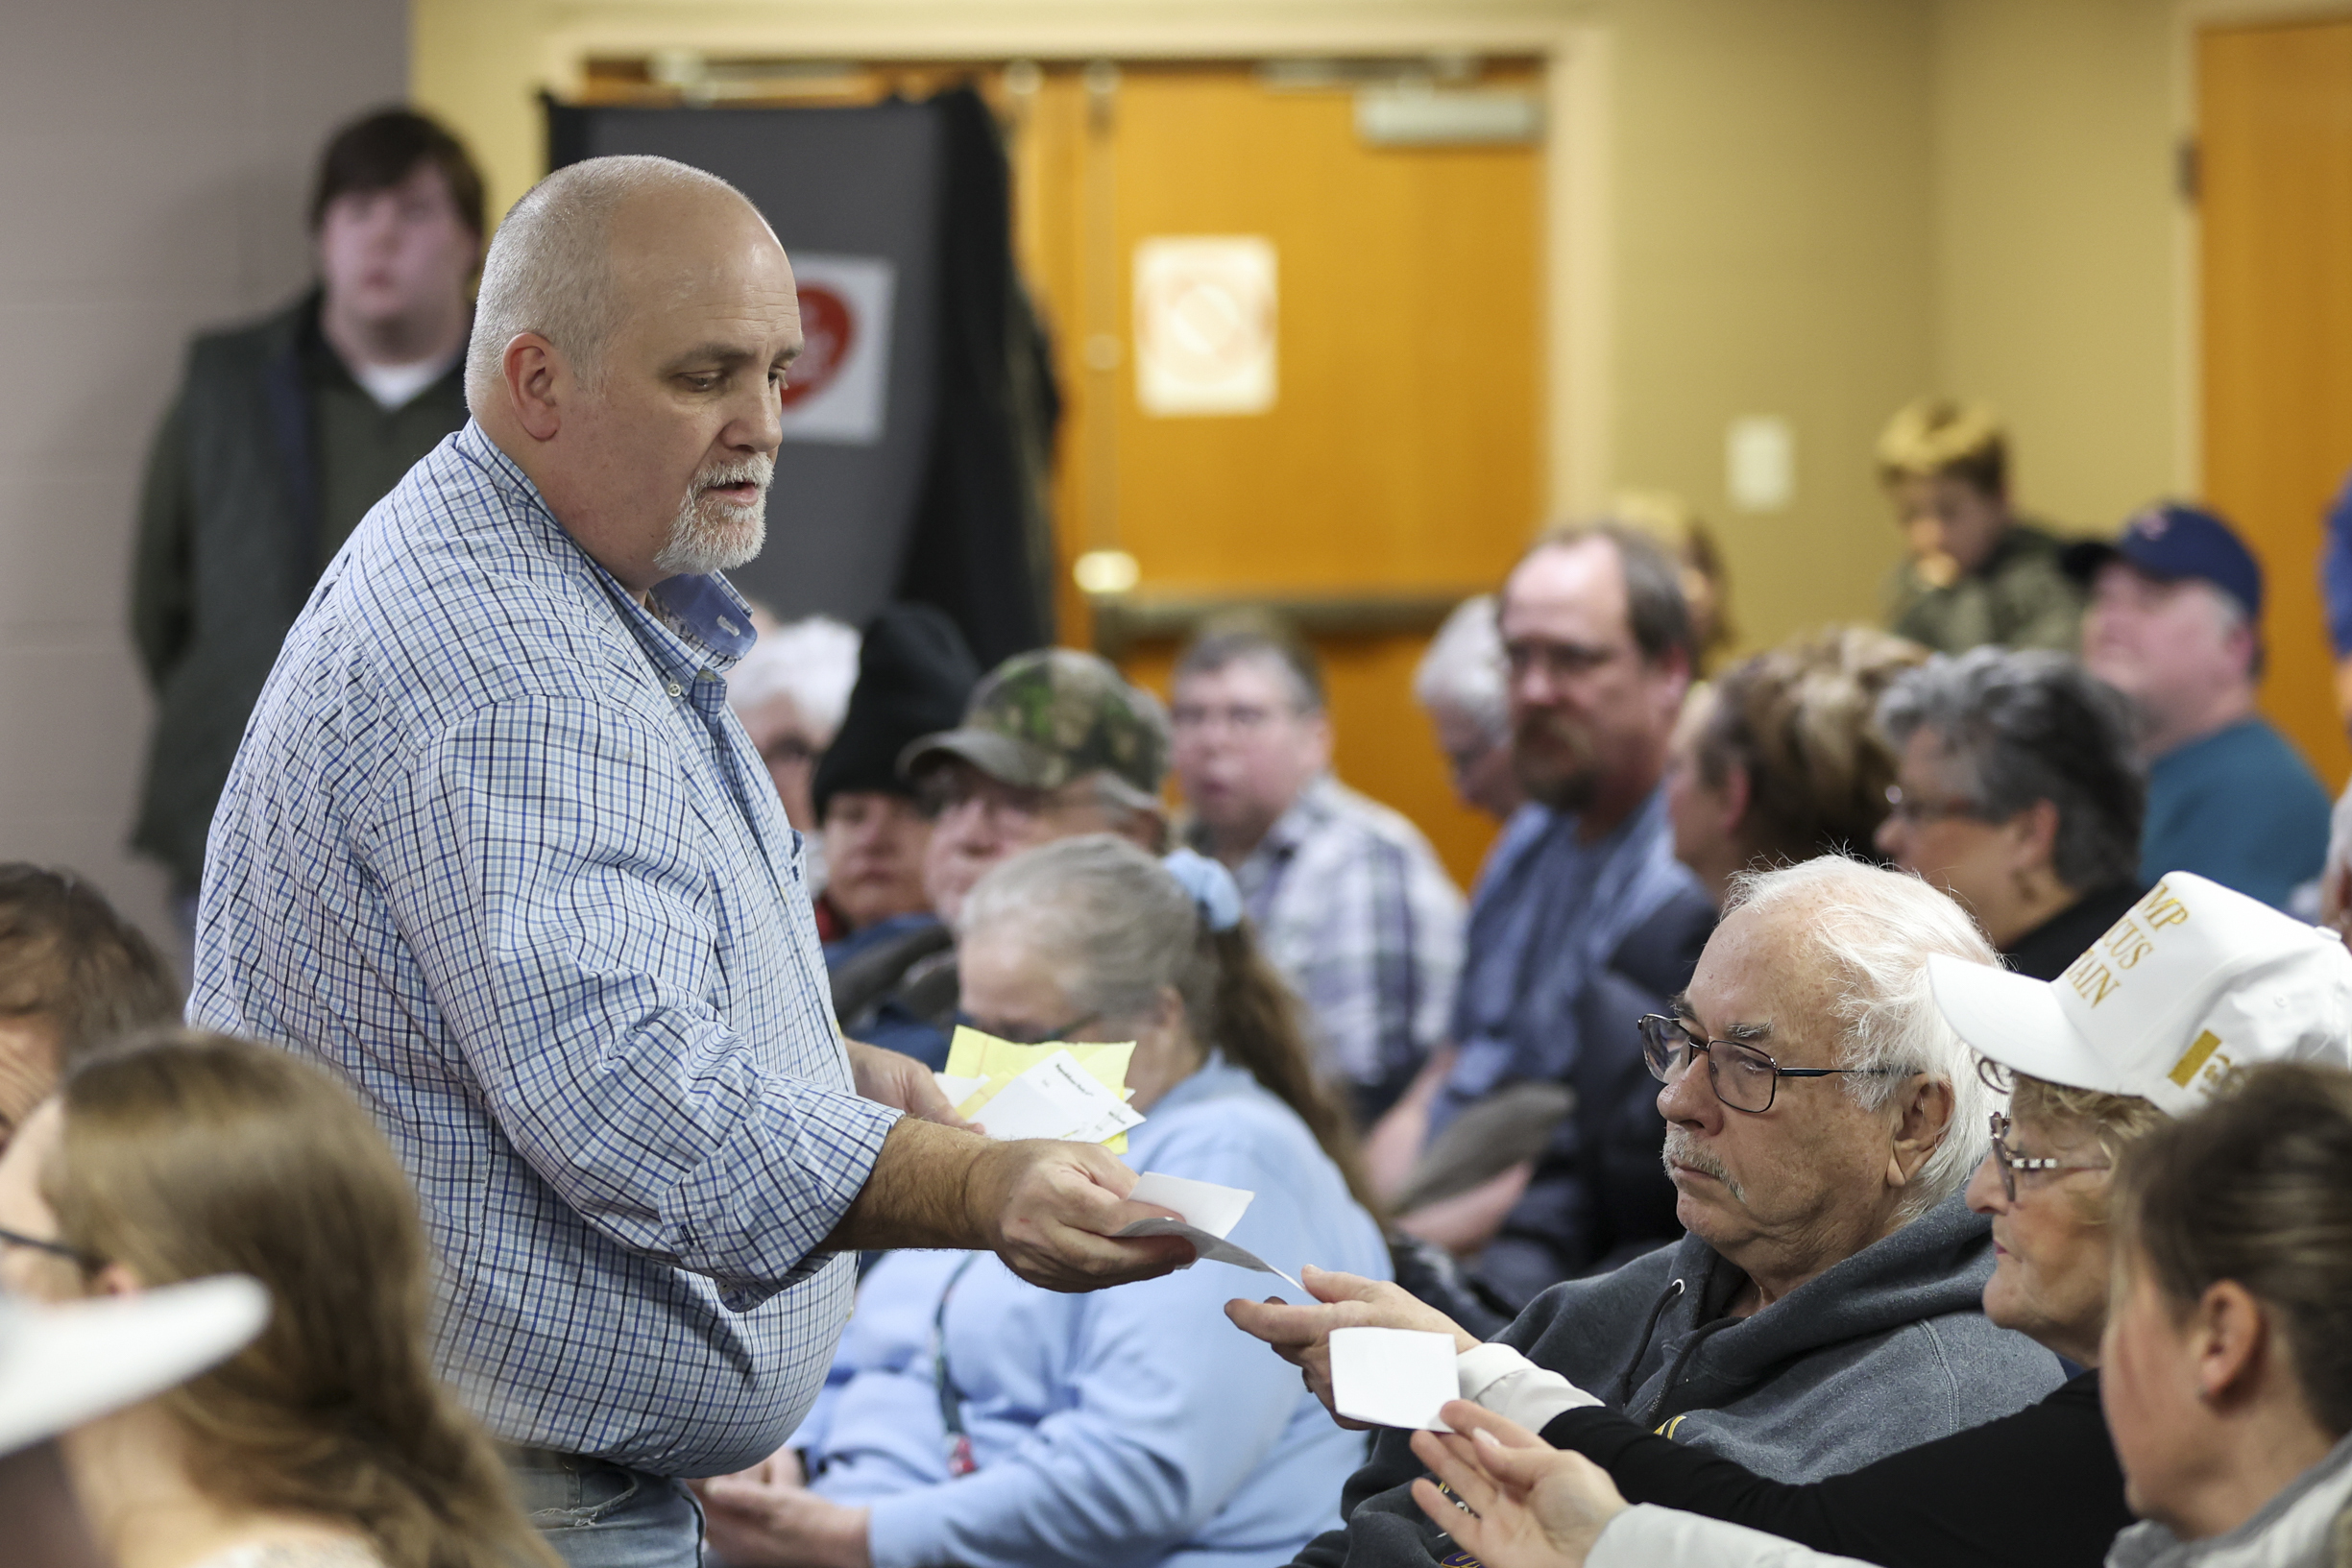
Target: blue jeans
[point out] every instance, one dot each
(597, 1514)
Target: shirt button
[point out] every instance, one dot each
(676, 690)
(704, 675)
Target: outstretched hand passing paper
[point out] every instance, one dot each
(1210, 1213)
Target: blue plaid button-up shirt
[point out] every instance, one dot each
(495, 849)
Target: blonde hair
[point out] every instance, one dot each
(188, 1154)
(2117, 1122)
(1798, 720)
(1936, 437)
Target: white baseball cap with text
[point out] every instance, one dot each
(2196, 979)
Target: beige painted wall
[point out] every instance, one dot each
(2058, 255)
(1819, 208)
(163, 156)
(1773, 257)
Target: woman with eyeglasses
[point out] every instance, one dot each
(976, 1420)
(326, 1442)
(2018, 792)
(2194, 984)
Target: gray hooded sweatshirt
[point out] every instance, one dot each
(2308, 1525)
(1881, 1352)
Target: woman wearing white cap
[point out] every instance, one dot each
(2192, 981)
(326, 1442)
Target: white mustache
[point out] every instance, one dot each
(1682, 1148)
(755, 471)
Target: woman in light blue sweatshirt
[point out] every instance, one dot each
(973, 1419)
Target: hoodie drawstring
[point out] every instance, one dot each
(1625, 1379)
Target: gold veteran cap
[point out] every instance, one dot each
(2196, 979)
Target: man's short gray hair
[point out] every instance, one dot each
(1874, 930)
(1464, 670)
(550, 269)
(2028, 725)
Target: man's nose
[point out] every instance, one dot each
(759, 428)
(1686, 1098)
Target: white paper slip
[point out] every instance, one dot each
(1393, 1377)
(1210, 1212)
(1056, 1099)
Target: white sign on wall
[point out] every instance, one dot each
(1205, 324)
(837, 389)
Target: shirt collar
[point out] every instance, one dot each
(687, 625)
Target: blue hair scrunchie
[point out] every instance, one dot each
(1211, 885)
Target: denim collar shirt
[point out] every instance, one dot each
(495, 850)
(1548, 911)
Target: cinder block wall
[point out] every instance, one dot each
(158, 164)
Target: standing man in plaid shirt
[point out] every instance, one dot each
(1347, 896)
(495, 850)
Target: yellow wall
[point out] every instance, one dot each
(1820, 208)
(1772, 257)
(2056, 245)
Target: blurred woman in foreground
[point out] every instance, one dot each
(324, 1444)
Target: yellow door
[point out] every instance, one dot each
(1399, 465)
(2275, 177)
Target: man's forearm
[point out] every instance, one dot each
(920, 1192)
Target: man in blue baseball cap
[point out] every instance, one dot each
(2174, 622)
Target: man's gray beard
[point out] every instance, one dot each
(1682, 1148)
(698, 544)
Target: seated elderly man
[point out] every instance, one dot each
(1054, 743)
(1822, 1121)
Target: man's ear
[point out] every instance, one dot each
(1924, 1116)
(536, 379)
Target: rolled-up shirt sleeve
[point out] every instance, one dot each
(545, 860)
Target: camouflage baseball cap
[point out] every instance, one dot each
(1043, 718)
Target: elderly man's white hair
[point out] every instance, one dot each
(550, 269)
(1464, 669)
(1874, 930)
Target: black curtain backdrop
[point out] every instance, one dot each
(945, 504)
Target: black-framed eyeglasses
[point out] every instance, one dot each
(2033, 1164)
(1016, 1034)
(55, 1248)
(1743, 1076)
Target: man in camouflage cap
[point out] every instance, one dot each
(1053, 744)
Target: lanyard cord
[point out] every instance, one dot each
(960, 1460)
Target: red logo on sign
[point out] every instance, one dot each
(828, 328)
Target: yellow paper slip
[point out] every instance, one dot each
(996, 1063)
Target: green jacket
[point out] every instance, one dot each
(2018, 598)
(233, 530)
